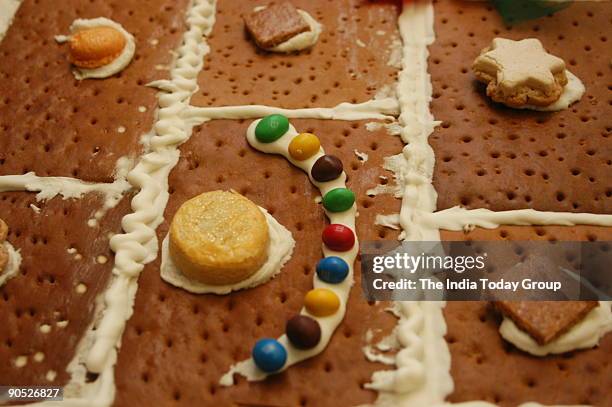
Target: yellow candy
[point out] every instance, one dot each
(304, 146)
(321, 302)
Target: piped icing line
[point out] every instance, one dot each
(422, 376)
(12, 266)
(414, 166)
(280, 249)
(422, 365)
(118, 64)
(138, 244)
(585, 334)
(71, 188)
(66, 187)
(8, 8)
(379, 109)
(458, 218)
(97, 350)
(328, 324)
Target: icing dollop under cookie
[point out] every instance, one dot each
(585, 334)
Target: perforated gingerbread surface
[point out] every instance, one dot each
(178, 345)
(490, 156)
(47, 307)
(52, 123)
(352, 61)
(485, 367)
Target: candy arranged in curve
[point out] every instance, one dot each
(308, 333)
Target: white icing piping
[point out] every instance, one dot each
(280, 250)
(380, 109)
(8, 8)
(138, 245)
(423, 375)
(458, 218)
(71, 188)
(12, 266)
(416, 162)
(247, 368)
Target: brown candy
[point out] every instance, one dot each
(326, 168)
(275, 24)
(545, 320)
(303, 332)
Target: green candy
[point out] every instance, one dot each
(271, 128)
(339, 200)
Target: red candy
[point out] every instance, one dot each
(338, 237)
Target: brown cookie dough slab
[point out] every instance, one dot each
(178, 345)
(44, 292)
(485, 367)
(53, 124)
(490, 156)
(335, 70)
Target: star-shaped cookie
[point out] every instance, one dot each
(519, 73)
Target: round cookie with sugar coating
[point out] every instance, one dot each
(219, 238)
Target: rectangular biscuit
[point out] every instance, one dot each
(275, 24)
(545, 320)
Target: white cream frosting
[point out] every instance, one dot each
(458, 218)
(572, 93)
(422, 376)
(12, 266)
(422, 365)
(247, 368)
(70, 188)
(585, 334)
(280, 249)
(138, 245)
(97, 350)
(8, 8)
(118, 64)
(381, 109)
(303, 40)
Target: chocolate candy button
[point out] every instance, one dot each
(303, 332)
(339, 200)
(338, 237)
(269, 355)
(332, 269)
(326, 168)
(271, 128)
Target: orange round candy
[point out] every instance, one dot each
(303, 146)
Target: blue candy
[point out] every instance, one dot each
(269, 355)
(332, 269)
